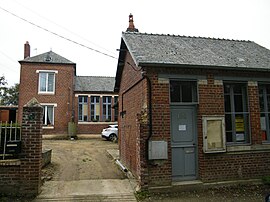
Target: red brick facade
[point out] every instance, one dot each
(63, 97)
(238, 162)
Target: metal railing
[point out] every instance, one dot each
(10, 140)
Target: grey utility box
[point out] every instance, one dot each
(157, 150)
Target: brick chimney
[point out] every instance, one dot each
(131, 27)
(26, 50)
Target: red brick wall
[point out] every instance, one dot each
(161, 174)
(22, 176)
(211, 167)
(132, 146)
(92, 128)
(63, 96)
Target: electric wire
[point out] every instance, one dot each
(63, 27)
(58, 35)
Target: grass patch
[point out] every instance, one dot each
(142, 195)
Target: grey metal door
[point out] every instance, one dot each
(184, 143)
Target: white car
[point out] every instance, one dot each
(110, 133)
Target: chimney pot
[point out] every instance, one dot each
(26, 50)
(131, 27)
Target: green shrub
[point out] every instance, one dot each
(266, 180)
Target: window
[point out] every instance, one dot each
(115, 108)
(107, 108)
(236, 113)
(264, 97)
(46, 82)
(83, 108)
(183, 91)
(95, 108)
(48, 115)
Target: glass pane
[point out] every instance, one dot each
(263, 122)
(42, 82)
(104, 113)
(109, 112)
(186, 93)
(80, 112)
(267, 89)
(229, 136)
(175, 91)
(237, 88)
(268, 103)
(80, 98)
(92, 112)
(227, 103)
(85, 112)
(49, 115)
(44, 114)
(239, 123)
(97, 111)
(228, 122)
(238, 103)
(50, 82)
(261, 89)
(261, 100)
(227, 89)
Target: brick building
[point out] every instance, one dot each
(65, 97)
(95, 100)
(193, 108)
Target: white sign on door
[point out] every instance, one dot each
(182, 127)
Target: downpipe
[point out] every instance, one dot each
(121, 165)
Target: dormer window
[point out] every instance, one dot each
(46, 82)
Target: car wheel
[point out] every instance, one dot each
(113, 137)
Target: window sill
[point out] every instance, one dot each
(93, 123)
(48, 127)
(46, 93)
(248, 148)
(10, 162)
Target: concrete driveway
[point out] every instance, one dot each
(83, 170)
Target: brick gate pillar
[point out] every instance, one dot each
(31, 157)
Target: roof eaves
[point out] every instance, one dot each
(54, 63)
(166, 65)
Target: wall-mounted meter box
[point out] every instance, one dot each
(157, 150)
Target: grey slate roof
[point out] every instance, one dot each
(48, 57)
(94, 84)
(181, 50)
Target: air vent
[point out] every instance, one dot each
(48, 58)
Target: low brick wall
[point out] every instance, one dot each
(92, 128)
(22, 176)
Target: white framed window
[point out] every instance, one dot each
(107, 108)
(236, 113)
(95, 108)
(83, 108)
(48, 114)
(214, 134)
(46, 83)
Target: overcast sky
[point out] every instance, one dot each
(99, 24)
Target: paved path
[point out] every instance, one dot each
(87, 190)
(85, 170)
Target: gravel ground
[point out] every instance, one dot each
(87, 159)
(248, 193)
